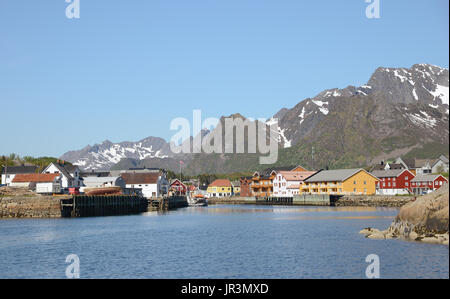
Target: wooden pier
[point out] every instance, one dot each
(167, 203)
(298, 200)
(102, 205)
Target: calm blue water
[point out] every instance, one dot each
(216, 242)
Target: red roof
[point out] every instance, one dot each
(35, 177)
(221, 183)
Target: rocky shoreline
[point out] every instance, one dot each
(424, 220)
(30, 207)
(374, 201)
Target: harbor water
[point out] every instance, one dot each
(218, 241)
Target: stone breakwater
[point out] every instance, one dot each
(425, 220)
(30, 207)
(374, 201)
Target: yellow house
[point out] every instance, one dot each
(340, 182)
(220, 188)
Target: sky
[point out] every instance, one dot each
(125, 69)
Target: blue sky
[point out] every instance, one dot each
(125, 69)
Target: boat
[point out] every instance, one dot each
(103, 191)
(198, 200)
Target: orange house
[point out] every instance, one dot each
(262, 182)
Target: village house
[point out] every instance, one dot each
(246, 190)
(423, 184)
(416, 166)
(9, 172)
(262, 182)
(393, 181)
(288, 183)
(340, 182)
(70, 174)
(440, 165)
(43, 183)
(177, 188)
(220, 188)
(387, 166)
(150, 184)
(102, 182)
(236, 185)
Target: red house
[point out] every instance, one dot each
(393, 181)
(426, 183)
(177, 187)
(246, 190)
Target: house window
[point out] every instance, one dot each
(354, 182)
(365, 190)
(406, 184)
(365, 183)
(354, 189)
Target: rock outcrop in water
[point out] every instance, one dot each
(425, 220)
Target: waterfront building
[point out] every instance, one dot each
(150, 184)
(393, 181)
(340, 182)
(423, 183)
(47, 183)
(262, 182)
(246, 190)
(177, 187)
(440, 165)
(9, 172)
(220, 188)
(102, 182)
(236, 188)
(70, 174)
(287, 183)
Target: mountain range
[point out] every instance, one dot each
(398, 112)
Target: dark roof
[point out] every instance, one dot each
(393, 166)
(98, 174)
(20, 169)
(140, 178)
(410, 163)
(64, 170)
(378, 167)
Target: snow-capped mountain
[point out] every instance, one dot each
(397, 110)
(103, 156)
(422, 84)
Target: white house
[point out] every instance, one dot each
(440, 165)
(419, 166)
(70, 174)
(9, 172)
(151, 184)
(287, 183)
(99, 182)
(39, 182)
